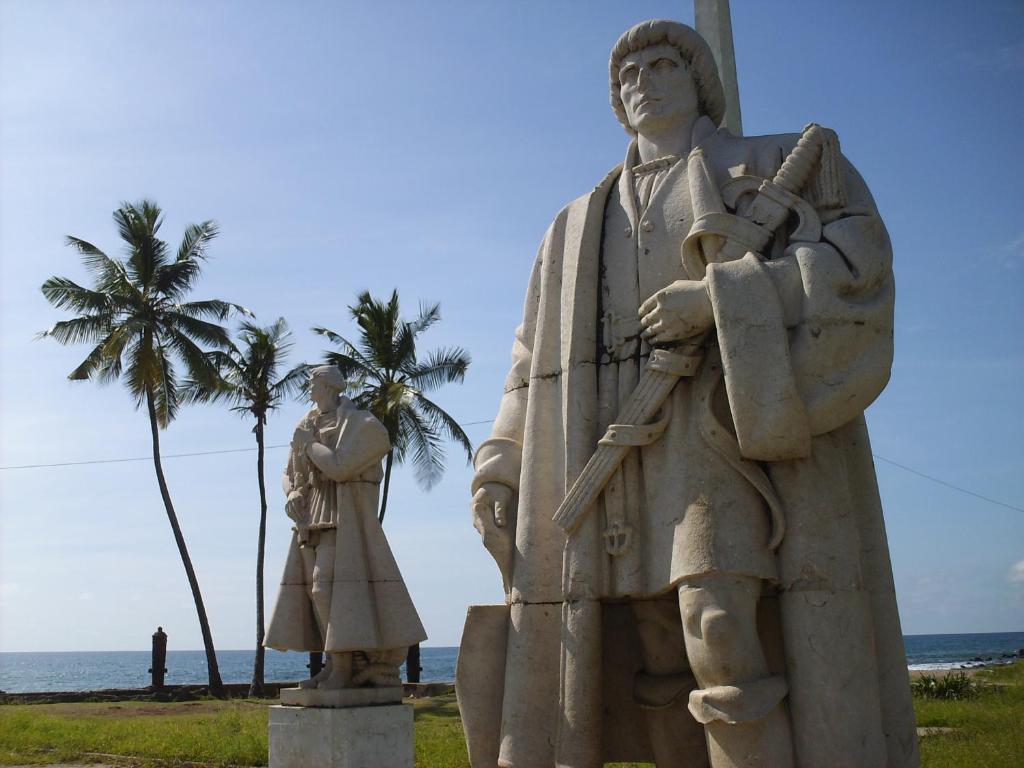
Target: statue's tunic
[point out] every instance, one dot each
(688, 510)
(370, 605)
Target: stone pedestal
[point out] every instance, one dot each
(340, 698)
(352, 737)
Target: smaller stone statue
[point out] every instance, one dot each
(341, 592)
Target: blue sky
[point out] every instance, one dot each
(425, 147)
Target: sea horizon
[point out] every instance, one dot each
(425, 646)
(54, 671)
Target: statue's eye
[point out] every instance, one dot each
(627, 76)
(664, 65)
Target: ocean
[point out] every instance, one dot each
(96, 670)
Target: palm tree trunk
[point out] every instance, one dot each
(387, 485)
(256, 688)
(215, 684)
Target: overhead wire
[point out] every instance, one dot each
(897, 464)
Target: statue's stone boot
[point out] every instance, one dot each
(339, 671)
(319, 677)
(746, 726)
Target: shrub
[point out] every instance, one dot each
(954, 685)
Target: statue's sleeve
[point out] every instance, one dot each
(362, 442)
(499, 458)
(806, 338)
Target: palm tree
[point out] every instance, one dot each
(140, 324)
(248, 380)
(392, 381)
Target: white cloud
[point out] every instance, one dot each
(1016, 574)
(87, 596)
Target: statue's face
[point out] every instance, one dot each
(322, 394)
(657, 90)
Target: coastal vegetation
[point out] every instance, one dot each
(952, 685)
(143, 330)
(979, 732)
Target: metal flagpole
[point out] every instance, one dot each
(714, 23)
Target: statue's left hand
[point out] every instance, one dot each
(678, 311)
(301, 438)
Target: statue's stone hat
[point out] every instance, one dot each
(692, 48)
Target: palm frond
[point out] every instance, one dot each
(135, 313)
(427, 452)
(333, 337)
(91, 328)
(292, 384)
(208, 333)
(442, 366)
(91, 365)
(403, 348)
(379, 324)
(142, 370)
(429, 314)
(113, 350)
(176, 279)
(214, 309)
(443, 423)
(66, 294)
(166, 392)
(198, 365)
(107, 271)
(352, 367)
(138, 225)
(245, 372)
(368, 367)
(196, 238)
(393, 380)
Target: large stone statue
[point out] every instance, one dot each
(678, 490)
(342, 591)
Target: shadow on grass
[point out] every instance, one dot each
(438, 707)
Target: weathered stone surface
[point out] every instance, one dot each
(355, 737)
(678, 489)
(341, 591)
(340, 697)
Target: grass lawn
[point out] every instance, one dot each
(988, 732)
(989, 729)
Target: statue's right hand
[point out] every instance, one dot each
(493, 509)
(295, 507)
(495, 498)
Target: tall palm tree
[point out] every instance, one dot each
(392, 381)
(137, 318)
(248, 379)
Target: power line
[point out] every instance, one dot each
(174, 455)
(948, 485)
(904, 467)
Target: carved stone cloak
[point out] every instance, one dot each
(370, 604)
